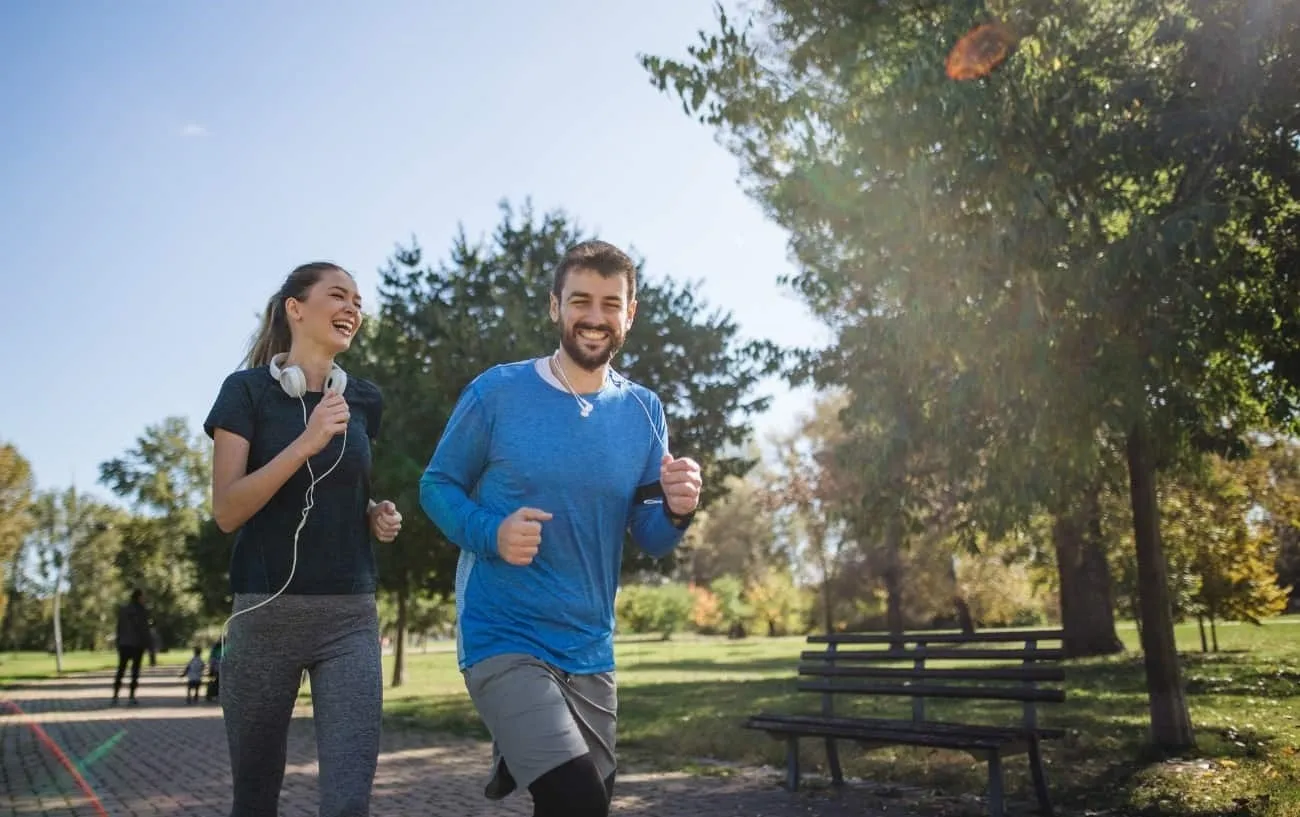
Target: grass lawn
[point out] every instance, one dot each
(31, 666)
(681, 703)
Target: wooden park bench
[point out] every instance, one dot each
(858, 664)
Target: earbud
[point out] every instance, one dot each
(294, 382)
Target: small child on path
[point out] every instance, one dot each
(193, 675)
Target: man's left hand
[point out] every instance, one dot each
(681, 481)
(385, 521)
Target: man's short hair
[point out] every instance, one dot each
(600, 257)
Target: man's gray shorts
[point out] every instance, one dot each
(541, 717)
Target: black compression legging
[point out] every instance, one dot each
(573, 790)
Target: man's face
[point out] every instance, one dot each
(593, 314)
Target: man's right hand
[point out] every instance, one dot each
(520, 534)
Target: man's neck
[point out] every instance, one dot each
(314, 363)
(582, 380)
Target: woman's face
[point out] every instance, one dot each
(330, 314)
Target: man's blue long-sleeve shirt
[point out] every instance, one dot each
(516, 440)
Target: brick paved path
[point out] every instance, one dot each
(168, 758)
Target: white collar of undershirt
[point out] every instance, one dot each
(543, 367)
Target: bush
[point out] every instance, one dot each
(706, 615)
(777, 606)
(663, 609)
(732, 609)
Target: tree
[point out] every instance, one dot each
(94, 588)
(1073, 256)
(166, 476)
(208, 549)
(16, 486)
(736, 536)
(1229, 557)
(441, 324)
(810, 502)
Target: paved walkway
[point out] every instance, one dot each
(164, 757)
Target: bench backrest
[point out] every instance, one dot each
(1006, 665)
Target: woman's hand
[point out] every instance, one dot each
(385, 521)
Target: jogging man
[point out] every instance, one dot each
(543, 467)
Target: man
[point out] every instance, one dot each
(133, 636)
(543, 467)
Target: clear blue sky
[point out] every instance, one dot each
(163, 165)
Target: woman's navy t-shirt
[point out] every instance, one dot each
(335, 555)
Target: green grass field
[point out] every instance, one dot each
(681, 703)
(31, 666)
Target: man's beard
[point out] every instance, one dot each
(573, 345)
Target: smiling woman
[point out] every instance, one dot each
(291, 473)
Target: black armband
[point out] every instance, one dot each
(652, 493)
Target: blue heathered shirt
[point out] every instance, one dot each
(516, 440)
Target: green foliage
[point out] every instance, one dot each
(16, 486)
(664, 609)
(777, 605)
(736, 535)
(166, 475)
(94, 590)
(732, 608)
(209, 550)
(1229, 556)
(1080, 249)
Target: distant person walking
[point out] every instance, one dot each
(133, 637)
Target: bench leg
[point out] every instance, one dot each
(1040, 778)
(995, 784)
(792, 763)
(833, 759)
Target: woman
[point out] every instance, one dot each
(291, 472)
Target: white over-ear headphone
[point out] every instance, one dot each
(294, 382)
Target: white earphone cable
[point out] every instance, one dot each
(585, 406)
(309, 500)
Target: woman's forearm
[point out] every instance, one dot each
(237, 502)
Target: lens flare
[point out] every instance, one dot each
(979, 51)
(49, 743)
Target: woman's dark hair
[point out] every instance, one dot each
(273, 336)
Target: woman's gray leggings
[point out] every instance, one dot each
(336, 640)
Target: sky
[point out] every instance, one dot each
(164, 165)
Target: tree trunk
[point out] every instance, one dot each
(894, 580)
(1200, 625)
(959, 604)
(1087, 596)
(1214, 634)
(1171, 725)
(826, 606)
(825, 563)
(399, 644)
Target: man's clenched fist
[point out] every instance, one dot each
(520, 534)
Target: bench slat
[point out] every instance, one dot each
(937, 691)
(936, 727)
(987, 637)
(957, 674)
(958, 654)
(883, 735)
